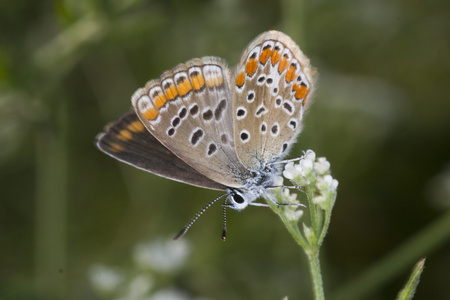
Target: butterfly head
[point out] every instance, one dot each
(254, 188)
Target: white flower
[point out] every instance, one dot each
(278, 181)
(105, 279)
(169, 294)
(327, 184)
(292, 211)
(290, 170)
(140, 286)
(293, 215)
(319, 199)
(161, 255)
(289, 198)
(322, 166)
(309, 155)
(306, 166)
(334, 184)
(303, 169)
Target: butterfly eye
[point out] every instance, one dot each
(237, 200)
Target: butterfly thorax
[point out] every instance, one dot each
(254, 187)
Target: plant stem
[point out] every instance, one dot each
(326, 222)
(311, 249)
(316, 275)
(313, 213)
(290, 226)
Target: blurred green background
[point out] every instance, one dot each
(381, 117)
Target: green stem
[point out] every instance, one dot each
(312, 212)
(311, 249)
(290, 226)
(326, 222)
(295, 232)
(316, 275)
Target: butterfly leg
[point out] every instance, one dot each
(270, 196)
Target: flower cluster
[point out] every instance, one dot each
(158, 257)
(313, 174)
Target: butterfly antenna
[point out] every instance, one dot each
(224, 230)
(197, 215)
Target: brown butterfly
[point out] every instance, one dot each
(208, 126)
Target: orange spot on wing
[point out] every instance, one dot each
(275, 57)
(290, 74)
(218, 80)
(300, 91)
(240, 80)
(210, 82)
(198, 81)
(283, 64)
(116, 147)
(136, 126)
(159, 101)
(124, 135)
(150, 114)
(251, 66)
(171, 92)
(264, 56)
(184, 87)
(214, 81)
(304, 99)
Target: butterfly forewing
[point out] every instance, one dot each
(129, 141)
(189, 110)
(271, 86)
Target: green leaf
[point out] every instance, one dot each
(408, 291)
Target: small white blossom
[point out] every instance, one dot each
(302, 170)
(306, 166)
(161, 255)
(278, 181)
(334, 184)
(322, 166)
(289, 198)
(322, 201)
(319, 199)
(105, 279)
(140, 286)
(326, 184)
(293, 215)
(309, 155)
(292, 211)
(291, 171)
(169, 294)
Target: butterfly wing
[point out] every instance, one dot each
(188, 109)
(127, 140)
(272, 85)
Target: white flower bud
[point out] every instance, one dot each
(322, 166)
(293, 215)
(310, 155)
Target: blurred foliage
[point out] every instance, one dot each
(381, 116)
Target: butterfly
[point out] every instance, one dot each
(211, 127)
